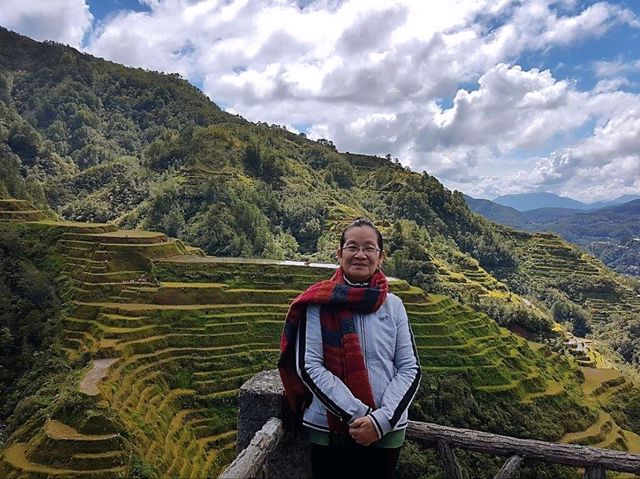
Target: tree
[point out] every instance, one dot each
(342, 173)
(568, 312)
(24, 141)
(252, 159)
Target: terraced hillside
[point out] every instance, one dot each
(21, 210)
(161, 338)
(602, 387)
(469, 279)
(585, 280)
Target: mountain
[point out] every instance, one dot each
(532, 201)
(525, 202)
(608, 233)
(612, 234)
(621, 222)
(617, 201)
(152, 225)
(496, 212)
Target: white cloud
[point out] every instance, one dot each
(64, 21)
(511, 109)
(374, 52)
(602, 166)
(611, 85)
(612, 150)
(385, 77)
(604, 69)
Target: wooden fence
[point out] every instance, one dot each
(596, 461)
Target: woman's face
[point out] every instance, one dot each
(359, 266)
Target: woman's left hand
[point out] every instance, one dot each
(363, 431)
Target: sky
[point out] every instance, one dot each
(490, 96)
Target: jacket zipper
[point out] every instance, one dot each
(364, 340)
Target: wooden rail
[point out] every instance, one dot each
(250, 463)
(596, 461)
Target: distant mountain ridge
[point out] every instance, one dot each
(532, 201)
(609, 233)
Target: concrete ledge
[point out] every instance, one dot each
(261, 398)
(250, 461)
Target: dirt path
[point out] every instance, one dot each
(89, 384)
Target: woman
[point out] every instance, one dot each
(349, 363)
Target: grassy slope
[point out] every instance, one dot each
(186, 331)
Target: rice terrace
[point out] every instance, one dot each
(168, 335)
(152, 240)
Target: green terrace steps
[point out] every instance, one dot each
(600, 385)
(102, 264)
(119, 237)
(58, 450)
(467, 279)
(451, 338)
(168, 337)
(548, 255)
(603, 433)
(100, 248)
(43, 222)
(199, 354)
(144, 383)
(603, 305)
(548, 258)
(215, 293)
(239, 272)
(21, 210)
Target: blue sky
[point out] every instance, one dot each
(490, 97)
(101, 9)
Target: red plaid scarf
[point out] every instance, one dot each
(339, 302)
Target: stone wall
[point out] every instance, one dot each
(262, 398)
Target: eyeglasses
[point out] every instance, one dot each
(368, 250)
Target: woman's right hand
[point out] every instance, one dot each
(363, 431)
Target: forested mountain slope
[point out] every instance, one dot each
(611, 233)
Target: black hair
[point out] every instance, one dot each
(358, 223)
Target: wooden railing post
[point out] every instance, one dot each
(595, 472)
(450, 464)
(556, 453)
(250, 463)
(509, 468)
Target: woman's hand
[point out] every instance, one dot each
(363, 431)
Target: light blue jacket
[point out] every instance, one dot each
(391, 358)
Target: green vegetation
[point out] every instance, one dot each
(30, 309)
(623, 334)
(132, 149)
(175, 335)
(610, 234)
(100, 142)
(575, 287)
(179, 346)
(567, 312)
